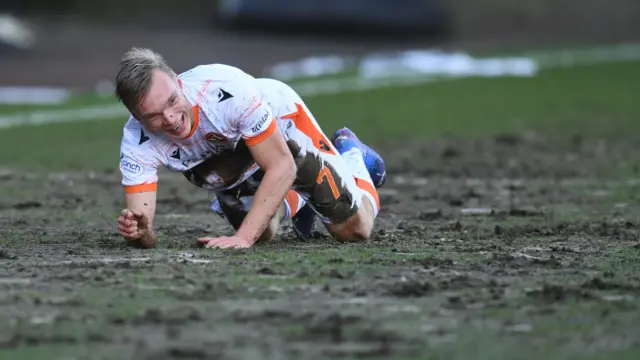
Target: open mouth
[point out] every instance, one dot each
(178, 129)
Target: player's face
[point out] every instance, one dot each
(165, 108)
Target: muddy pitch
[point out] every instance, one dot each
(517, 244)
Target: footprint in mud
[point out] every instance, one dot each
(508, 139)
(271, 315)
(554, 293)
(351, 336)
(337, 274)
(519, 260)
(18, 340)
(152, 316)
(331, 326)
(410, 288)
(599, 284)
(204, 291)
(400, 288)
(27, 205)
(198, 351)
(432, 262)
(5, 254)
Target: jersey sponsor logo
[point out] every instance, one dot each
(214, 136)
(130, 166)
(258, 126)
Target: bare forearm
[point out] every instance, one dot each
(273, 188)
(142, 212)
(144, 204)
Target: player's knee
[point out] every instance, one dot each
(359, 233)
(354, 234)
(356, 228)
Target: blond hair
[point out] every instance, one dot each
(134, 75)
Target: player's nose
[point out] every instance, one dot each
(170, 117)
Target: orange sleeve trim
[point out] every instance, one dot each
(141, 188)
(252, 141)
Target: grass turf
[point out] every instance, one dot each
(558, 287)
(596, 101)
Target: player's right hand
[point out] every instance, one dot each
(132, 225)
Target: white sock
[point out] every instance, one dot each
(356, 164)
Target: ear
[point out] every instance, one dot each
(136, 115)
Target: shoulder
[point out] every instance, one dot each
(133, 134)
(139, 143)
(210, 75)
(210, 83)
(220, 90)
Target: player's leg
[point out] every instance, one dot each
(334, 184)
(234, 209)
(356, 184)
(304, 222)
(337, 185)
(369, 172)
(344, 139)
(345, 204)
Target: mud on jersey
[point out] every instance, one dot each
(229, 114)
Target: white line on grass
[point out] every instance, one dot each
(546, 60)
(180, 257)
(65, 115)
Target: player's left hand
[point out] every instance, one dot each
(225, 242)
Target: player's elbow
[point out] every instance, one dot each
(279, 170)
(288, 170)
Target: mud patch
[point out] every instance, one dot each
(535, 242)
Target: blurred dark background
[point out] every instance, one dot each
(77, 43)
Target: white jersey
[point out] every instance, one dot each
(231, 111)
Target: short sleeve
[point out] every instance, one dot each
(138, 162)
(244, 111)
